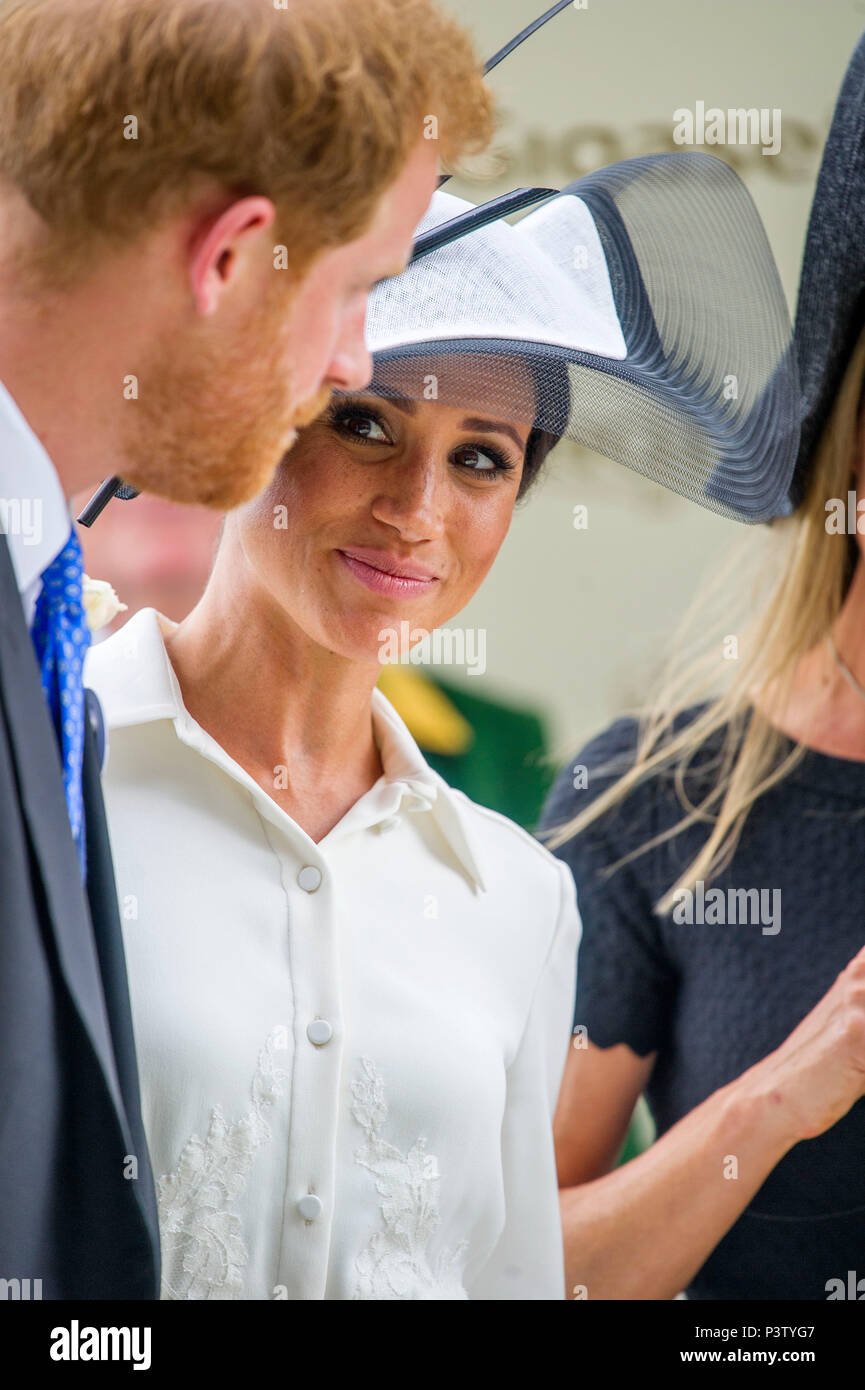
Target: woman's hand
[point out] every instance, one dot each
(819, 1071)
(643, 1231)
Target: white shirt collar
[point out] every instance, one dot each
(135, 681)
(33, 510)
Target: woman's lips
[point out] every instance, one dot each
(385, 574)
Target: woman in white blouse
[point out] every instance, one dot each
(352, 988)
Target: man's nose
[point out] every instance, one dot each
(350, 367)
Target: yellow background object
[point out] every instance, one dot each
(433, 721)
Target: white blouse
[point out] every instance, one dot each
(350, 1051)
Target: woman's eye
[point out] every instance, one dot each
(359, 424)
(484, 462)
(368, 427)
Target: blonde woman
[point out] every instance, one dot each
(718, 847)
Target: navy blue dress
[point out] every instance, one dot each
(714, 997)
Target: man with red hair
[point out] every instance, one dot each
(196, 197)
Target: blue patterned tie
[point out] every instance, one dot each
(61, 638)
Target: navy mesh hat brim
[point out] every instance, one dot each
(830, 310)
(702, 396)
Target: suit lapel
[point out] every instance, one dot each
(37, 764)
(105, 916)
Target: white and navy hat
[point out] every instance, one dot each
(643, 299)
(646, 303)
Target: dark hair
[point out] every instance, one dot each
(538, 445)
(552, 386)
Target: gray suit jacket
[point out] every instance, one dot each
(72, 1212)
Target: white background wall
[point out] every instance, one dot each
(576, 621)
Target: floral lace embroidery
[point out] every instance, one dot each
(203, 1251)
(395, 1263)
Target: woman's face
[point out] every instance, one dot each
(385, 512)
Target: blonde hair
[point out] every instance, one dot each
(315, 104)
(789, 608)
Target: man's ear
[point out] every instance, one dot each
(221, 246)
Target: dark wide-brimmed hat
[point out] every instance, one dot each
(830, 310)
(645, 307)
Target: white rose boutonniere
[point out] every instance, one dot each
(101, 603)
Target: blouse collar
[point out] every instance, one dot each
(136, 684)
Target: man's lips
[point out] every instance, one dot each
(386, 573)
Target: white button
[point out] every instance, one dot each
(388, 823)
(309, 878)
(310, 1206)
(319, 1031)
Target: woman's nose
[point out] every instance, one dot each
(412, 500)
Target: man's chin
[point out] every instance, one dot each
(231, 484)
(220, 492)
(312, 407)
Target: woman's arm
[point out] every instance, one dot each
(600, 1087)
(644, 1230)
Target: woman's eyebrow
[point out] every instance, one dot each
(471, 422)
